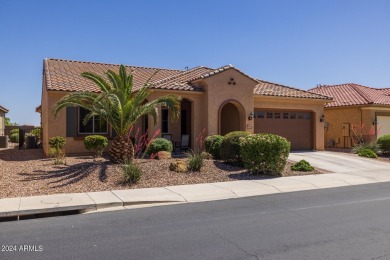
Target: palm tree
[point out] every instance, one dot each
(120, 106)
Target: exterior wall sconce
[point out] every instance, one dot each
(322, 118)
(375, 122)
(250, 117)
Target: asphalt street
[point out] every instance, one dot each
(339, 223)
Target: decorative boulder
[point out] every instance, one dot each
(178, 166)
(162, 155)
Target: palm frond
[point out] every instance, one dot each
(98, 80)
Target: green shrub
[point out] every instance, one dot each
(302, 166)
(384, 143)
(159, 144)
(212, 145)
(264, 153)
(96, 143)
(376, 148)
(37, 133)
(131, 172)
(367, 153)
(195, 161)
(14, 131)
(230, 146)
(14, 137)
(56, 144)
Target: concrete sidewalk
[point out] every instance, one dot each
(132, 198)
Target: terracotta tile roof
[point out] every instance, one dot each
(4, 109)
(266, 88)
(64, 75)
(213, 72)
(351, 94)
(386, 91)
(182, 81)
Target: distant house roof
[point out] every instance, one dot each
(64, 75)
(351, 94)
(4, 109)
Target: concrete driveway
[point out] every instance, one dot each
(341, 162)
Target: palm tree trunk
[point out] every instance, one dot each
(122, 149)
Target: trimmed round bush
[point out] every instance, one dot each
(96, 144)
(230, 146)
(212, 145)
(264, 153)
(384, 143)
(302, 166)
(159, 144)
(14, 137)
(367, 153)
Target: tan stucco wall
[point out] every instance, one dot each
(56, 126)
(315, 106)
(218, 92)
(360, 118)
(197, 115)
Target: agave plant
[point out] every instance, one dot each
(120, 106)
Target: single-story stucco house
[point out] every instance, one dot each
(357, 111)
(216, 101)
(3, 111)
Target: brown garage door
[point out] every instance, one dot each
(295, 126)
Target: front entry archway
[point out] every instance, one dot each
(229, 119)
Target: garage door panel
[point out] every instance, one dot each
(294, 126)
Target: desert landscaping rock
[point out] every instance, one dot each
(29, 173)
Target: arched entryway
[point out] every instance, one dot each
(230, 118)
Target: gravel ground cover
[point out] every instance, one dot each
(29, 173)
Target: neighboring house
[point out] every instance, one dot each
(216, 101)
(3, 111)
(357, 112)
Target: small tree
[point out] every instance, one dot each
(120, 105)
(56, 144)
(96, 143)
(37, 133)
(362, 134)
(8, 122)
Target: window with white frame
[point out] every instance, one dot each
(95, 125)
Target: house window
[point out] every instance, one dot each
(95, 125)
(164, 120)
(285, 115)
(269, 115)
(300, 116)
(277, 115)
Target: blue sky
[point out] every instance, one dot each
(297, 43)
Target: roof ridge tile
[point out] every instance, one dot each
(112, 64)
